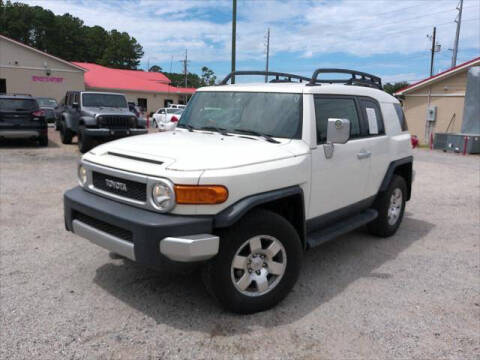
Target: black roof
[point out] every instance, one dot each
(16, 96)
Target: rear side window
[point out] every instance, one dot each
(18, 105)
(401, 117)
(373, 120)
(338, 108)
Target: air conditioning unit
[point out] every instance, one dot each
(431, 113)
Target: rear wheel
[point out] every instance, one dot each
(84, 141)
(154, 123)
(257, 265)
(65, 133)
(43, 140)
(390, 206)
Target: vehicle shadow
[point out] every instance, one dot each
(178, 300)
(25, 144)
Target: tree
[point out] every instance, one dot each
(155, 68)
(178, 79)
(208, 77)
(392, 88)
(67, 36)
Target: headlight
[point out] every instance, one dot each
(82, 175)
(163, 196)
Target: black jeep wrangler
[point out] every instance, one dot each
(96, 116)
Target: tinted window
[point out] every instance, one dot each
(274, 114)
(47, 102)
(327, 107)
(401, 117)
(372, 117)
(174, 111)
(104, 100)
(18, 105)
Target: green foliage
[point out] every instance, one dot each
(67, 37)
(178, 80)
(155, 68)
(208, 77)
(392, 88)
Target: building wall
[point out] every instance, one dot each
(25, 71)
(449, 97)
(154, 100)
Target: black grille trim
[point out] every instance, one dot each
(103, 226)
(115, 121)
(135, 190)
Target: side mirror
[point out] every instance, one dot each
(75, 105)
(338, 131)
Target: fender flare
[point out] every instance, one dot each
(68, 121)
(391, 171)
(234, 212)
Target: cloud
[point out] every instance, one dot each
(303, 29)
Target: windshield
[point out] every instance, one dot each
(104, 100)
(46, 102)
(273, 114)
(174, 111)
(18, 105)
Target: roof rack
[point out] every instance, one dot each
(287, 77)
(358, 78)
(14, 94)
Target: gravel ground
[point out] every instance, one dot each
(415, 295)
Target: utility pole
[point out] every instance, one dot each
(458, 20)
(268, 54)
(433, 50)
(185, 64)
(234, 36)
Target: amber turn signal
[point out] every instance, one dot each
(200, 194)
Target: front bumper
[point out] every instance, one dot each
(106, 132)
(149, 238)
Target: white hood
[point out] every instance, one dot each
(191, 151)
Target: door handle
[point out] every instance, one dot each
(364, 154)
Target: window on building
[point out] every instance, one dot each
(3, 86)
(167, 102)
(142, 102)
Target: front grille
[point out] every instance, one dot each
(103, 226)
(115, 121)
(121, 187)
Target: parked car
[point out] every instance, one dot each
(48, 106)
(252, 176)
(21, 117)
(96, 116)
(141, 120)
(177, 106)
(165, 119)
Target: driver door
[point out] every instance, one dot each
(340, 181)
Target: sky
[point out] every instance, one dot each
(387, 38)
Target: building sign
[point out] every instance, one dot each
(47, 79)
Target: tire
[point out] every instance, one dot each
(390, 209)
(276, 275)
(84, 142)
(57, 126)
(154, 123)
(66, 134)
(43, 141)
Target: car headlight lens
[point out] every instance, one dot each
(163, 196)
(82, 175)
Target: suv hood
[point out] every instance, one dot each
(192, 151)
(106, 111)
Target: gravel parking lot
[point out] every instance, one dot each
(415, 295)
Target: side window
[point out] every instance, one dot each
(401, 117)
(76, 98)
(372, 117)
(68, 99)
(340, 108)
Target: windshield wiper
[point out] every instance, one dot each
(256, 133)
(217, 129)
(188, 126)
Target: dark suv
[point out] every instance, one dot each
(96, 116)
(21, 117)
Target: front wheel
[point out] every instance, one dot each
(258, 263)
(84, 141)
(65, 133)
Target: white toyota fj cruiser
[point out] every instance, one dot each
(253, 175)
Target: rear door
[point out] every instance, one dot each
(16, 114)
